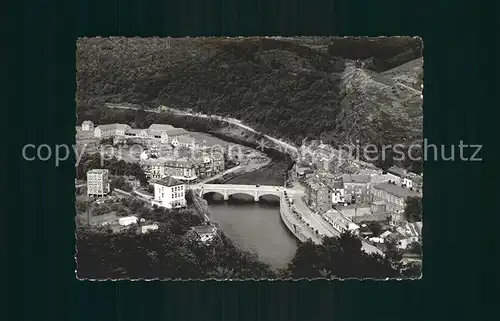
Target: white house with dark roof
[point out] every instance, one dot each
(169, 193)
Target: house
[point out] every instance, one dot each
(357, 187)
(169, 193)
(150, 227)
(127, 220)
(184, 141)
(319, 196)
(204, 233)
(87, 126)
(338, 192)
(393, 195)
(98, 182)
(110, 130)
(340, 222)
(328, 178)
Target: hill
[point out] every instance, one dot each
(285, 88)
(410, 73)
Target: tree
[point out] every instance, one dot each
(375, 228)
(413, 209)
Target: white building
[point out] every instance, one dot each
(127, 220)
(147, 228)
(340, 222)
(111, 130)
(87, 125)
(169, 193)
(98, 182)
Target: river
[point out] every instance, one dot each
(256, 226)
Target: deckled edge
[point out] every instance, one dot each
(246, 280)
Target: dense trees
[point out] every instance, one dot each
(413, 209)
(264, 82)
(162, 254)
(115, 166)
(341, 257)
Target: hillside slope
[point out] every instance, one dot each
(281, 87)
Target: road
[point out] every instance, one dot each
(328, 230)
(286, 146)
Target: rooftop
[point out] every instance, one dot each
(361, 179)
(396, 190)
(160, 127)
(168, 181)
(379, 203)
(86, 122)
(397, 171)
(339, 219)
(113, 126)
(98, 171)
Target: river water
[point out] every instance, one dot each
(256, 226)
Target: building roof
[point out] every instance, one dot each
(133, 131)
(379, 203)
(87, 122)
(341, 220)
(398, 171)
(176, 132)
(396, 190)
(168, 182)
(360, 179)
(98, 171)
(338, 184)
(160, 127)
(113, 126)
(385, 234)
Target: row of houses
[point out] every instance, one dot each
(184, 169)
(162, 132)
(382, 198)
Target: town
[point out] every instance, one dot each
(326, 193)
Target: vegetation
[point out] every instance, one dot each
(413, 209)
(115, 167)
(120, 183)
(165, 253)
(263, 82)
(382, 53)
(343, 257)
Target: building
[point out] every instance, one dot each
(338, 192)
(204, 233)
(98, 182)
(87, 126)
(127, 220)
(393, 195)
(357, 188)
(111, 130)
(183, 141)
(340, 222)
(185, 170)
(150, 227)
(169, 193)
(218, 162)
(319, 196)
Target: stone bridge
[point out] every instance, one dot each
(227, 190)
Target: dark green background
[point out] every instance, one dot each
(460, 208)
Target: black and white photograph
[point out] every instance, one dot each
(249, 158)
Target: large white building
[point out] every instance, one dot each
(111, 130)
(98, 182)
(169, 193)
